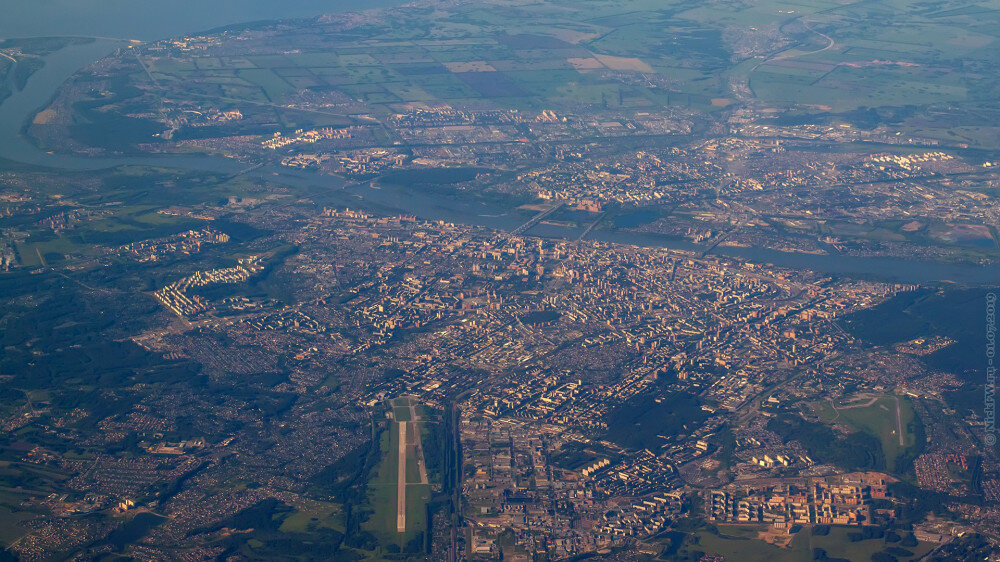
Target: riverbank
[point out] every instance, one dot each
(18, 109)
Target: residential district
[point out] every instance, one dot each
(384, 286)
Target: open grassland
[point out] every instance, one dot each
(742, 543)
(382, 492)
(889, 418)
(320, 515)
(384, 486)
(10, 522)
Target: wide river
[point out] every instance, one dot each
(147, 19)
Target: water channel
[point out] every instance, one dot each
(18, 109)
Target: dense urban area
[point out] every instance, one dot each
(513, 280)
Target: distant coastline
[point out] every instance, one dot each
(146, 20)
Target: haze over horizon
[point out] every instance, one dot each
(149, 20)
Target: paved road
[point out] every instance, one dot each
(899, 423)
(401, 481)
(418, 447)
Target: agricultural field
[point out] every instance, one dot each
(923, 70)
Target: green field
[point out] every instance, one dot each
(892, 55)
(20, 481)
(10, 522)
(33, 252)
(320, 515)
(741, 543)
(382, 491)
(401, 413)
(383, 487)
(272, 84)
(876, 416)
(132, 223)
(818, 57)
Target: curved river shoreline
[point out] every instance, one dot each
(150, 20)
(16, 110)
(60, 66)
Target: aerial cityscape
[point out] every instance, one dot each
(526, 280)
